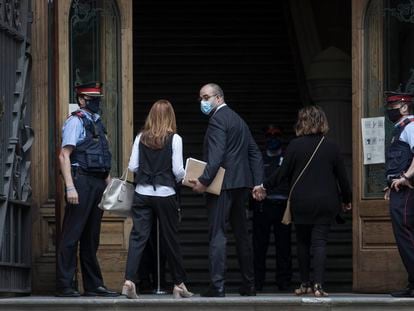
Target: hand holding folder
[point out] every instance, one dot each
(194, 169)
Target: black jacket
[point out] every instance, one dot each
(317, 195)
(229, 143)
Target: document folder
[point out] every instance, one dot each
(194, 168)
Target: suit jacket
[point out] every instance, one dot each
(229, 143)
(317, 195)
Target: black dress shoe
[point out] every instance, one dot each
(67, 292)
(406, 292)
(247, 291)
(101, 291)
(258, 286)
(214, 292)
(283, 287)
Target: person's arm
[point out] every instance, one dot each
(65, 167)
(216, 147)
(405, 179)
(343, 182)
(177, 158)
(255, 161)
(282, 174)
(133, 164)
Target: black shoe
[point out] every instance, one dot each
(101, 291)
(247, 291)
(214, 292)
(284, 287)
(67, 292)
(406, 292)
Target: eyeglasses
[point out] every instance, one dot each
(206, 97)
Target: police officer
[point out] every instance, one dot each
(268, 214)
(85, 162)
(399, 173)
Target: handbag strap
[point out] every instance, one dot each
(124, 175)
(307, 164)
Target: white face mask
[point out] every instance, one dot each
(206, 107)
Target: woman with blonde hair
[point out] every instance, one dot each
(157, 160)
(314, 169)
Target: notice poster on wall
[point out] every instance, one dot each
(373, 140)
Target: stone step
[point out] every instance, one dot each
(264, 302)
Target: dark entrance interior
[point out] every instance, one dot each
(249, 50)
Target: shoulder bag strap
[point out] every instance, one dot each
(307, 164)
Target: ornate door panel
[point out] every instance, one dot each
(15, 140)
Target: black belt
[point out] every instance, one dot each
(81, 171)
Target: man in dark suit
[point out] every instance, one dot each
(228, 143)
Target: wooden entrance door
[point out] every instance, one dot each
(381, 60)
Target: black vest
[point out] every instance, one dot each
(399, 154)
(155, 165)
(92, 154)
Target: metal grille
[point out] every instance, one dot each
(15, 140)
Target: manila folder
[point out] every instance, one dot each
(194, 168)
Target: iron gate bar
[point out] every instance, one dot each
(15, 219)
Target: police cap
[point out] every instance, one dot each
(392, 98)
(89, 89)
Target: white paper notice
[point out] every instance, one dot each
(373, 140)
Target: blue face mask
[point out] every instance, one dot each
(206, 107)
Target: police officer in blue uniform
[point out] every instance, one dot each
(85, 162)
(268, 214)
(400, 173)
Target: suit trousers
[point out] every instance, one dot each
(402, 218)
(229, 207)
(267, 216)
(81, 224)
(144, 213)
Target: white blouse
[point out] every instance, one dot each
(177, 168)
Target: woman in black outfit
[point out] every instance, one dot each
(316, 198)
(157, 160)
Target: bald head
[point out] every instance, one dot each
(213, 93)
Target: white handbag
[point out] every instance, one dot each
(118, 196)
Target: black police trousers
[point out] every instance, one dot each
(144, 213)
(402, 217)
(81, 224)
(229, 207)
(268, 216)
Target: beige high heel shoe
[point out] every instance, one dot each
(129, 290)
(180, 291)
(318, 291)
(304, 289)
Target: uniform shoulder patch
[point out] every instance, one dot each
(77, 113)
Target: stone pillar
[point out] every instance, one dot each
(329, 82)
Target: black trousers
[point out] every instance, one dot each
(148, 267)
(166, 209)
(81, 224)
(229, 207)
(312, 237)
(402, 217)
(267, 216)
